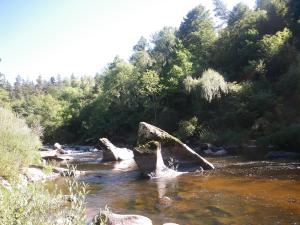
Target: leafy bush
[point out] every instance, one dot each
(187, 128)
(232, 137)
(32, 204)
(211, 84)
(289, 83)
(27, 205)
(18, 144)
(287, 139)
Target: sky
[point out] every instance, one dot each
(81, 37)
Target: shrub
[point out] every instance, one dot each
(287, 139)
(187, 128)
(212, 84)
(27, 205)
(18, 144)
(289, 84)
(32, 204)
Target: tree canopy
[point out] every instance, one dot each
(225, 85)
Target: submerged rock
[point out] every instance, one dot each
(218, 212)
(118, 219)
(35, 174)
(282, 154)
(50, 154)
(72, 156)
(57, 146)
(175, 154)
(113, 153)
(219, 152)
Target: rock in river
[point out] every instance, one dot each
(113, 153)
(282, 154)
(155, 166)
(174, 153)
(118, 219)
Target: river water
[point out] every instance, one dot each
(237, 192)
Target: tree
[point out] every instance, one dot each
(2, 80)
(197, 35)
(52, 81)
(4, 98)
(237, 46)
(211, 84)
(294, 19)
(238, 12)
(149, 86)
(45, 109)
(277, 53)
(142, 45)
(276, 14)
(18, 92)
(271, 45)
(220, 10)
(73, 80)
(164, 42)
(181, 66)
(141, 58)
(39, 83)
(115, 77)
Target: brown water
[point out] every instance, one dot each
(237, 192)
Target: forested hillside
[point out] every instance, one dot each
(224, 83)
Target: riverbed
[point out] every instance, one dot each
(237, 192)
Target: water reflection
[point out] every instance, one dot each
(125, 165)
(236, 193)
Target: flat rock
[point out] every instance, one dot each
(35, 174)
(48, 154)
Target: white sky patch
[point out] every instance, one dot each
(72, 36)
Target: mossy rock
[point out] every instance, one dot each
(150, 136)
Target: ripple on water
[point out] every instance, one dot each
(237, 192)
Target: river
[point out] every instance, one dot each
(237, 192)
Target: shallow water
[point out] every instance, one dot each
(237, 192)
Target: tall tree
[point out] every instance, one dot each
(221, 10)
(238, 12)
(197, 35)
(164, 42)
(276, 14)
(141, 58)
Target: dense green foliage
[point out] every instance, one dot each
(227, 85)
(28, 203)
(18, 144)
(32, 204)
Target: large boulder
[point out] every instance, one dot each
(174, 153)
(152, 164)
(117, 219)
(113, 153)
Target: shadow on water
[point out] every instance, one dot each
(237, 192)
